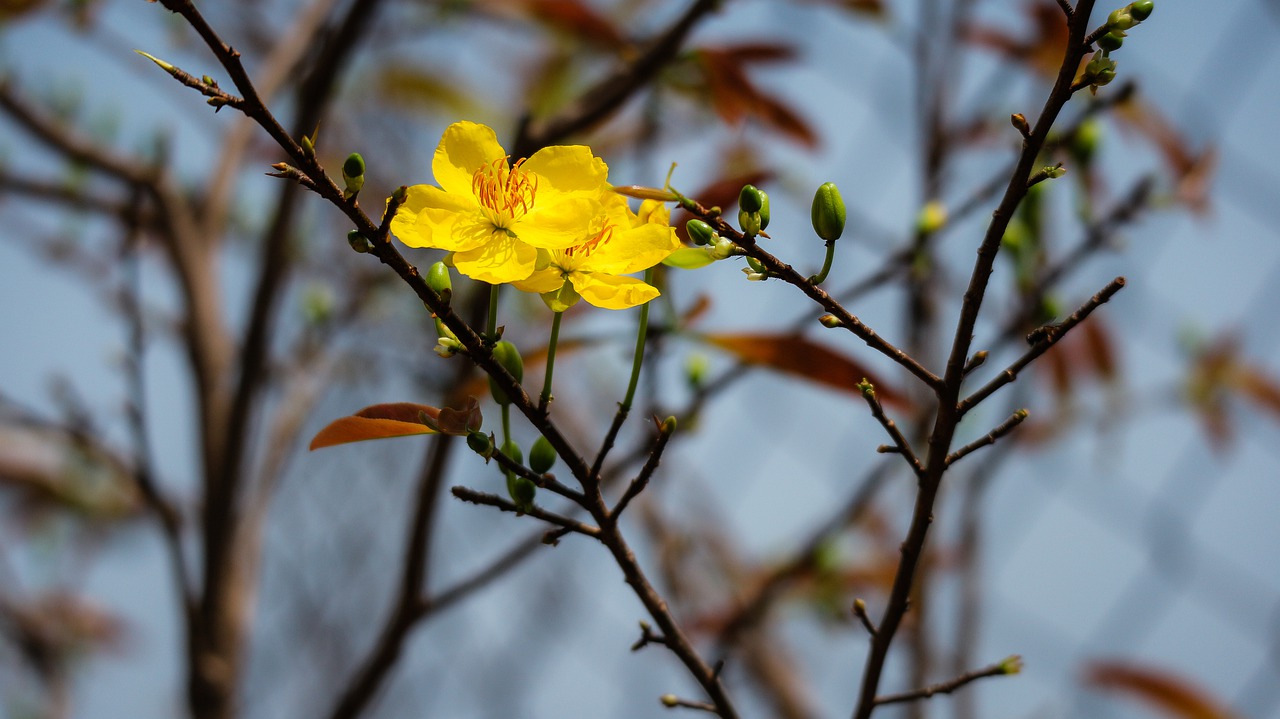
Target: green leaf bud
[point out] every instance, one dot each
(828, 212)
(1011, 664)
(699, 232)
(353, 174)
(1141, 10)
(541, 455)
(669, 701)
(439, 279)
(508, 356)
(359, 242)
(1111, 41)
(750, 199)
(668, 425)
(400, 194)
(830, 321)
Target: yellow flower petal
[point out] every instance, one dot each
(568, 168)
(431, 217)
(464, 148)
(502, 259)
(556, 224)
(548, 280)
(611, 292)
(632, 250)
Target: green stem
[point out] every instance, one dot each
(826, 264)
(641, 334)
(545, 399)
(491, 328)
(506, 437)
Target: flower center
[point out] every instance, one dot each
(505, 191)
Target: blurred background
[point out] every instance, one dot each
(1123, 541)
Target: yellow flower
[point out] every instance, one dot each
(620, 242)
(494, 215)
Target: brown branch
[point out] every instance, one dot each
(1008, 666)
(467, 494)
(608, 95)
(990, 438)
(1045, 338)
(637, 485)
(900, 444)
(948, 415)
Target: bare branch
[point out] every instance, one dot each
(990, 438)
(1008, 666)
(467, 494)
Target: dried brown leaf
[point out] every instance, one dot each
(1172, 695)
(799, 357)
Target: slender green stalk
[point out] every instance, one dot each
(545, 399)
(826, 264)
(641, 335)
(491, 327)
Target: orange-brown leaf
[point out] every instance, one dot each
(1042, 52)
(1170, 694)
(1192, 170)
(380, 421)
(578, 20)
(799, 357)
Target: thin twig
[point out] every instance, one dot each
(1008, 666)
(990, 438)
(900, 443)
(467, 494)
(1046, 338)
(638, 484)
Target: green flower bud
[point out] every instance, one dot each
(1120, 19)
(764, 210)
(755, 264)
(508, 356)
(1111, 41)
(400, 194)
(512, 451)
(828, 212)
(522, 492)
(750, 199)
(669, 700)
(438, 279)
(353, 175)
(541, 455)
(1141, 10)
(749, 222)
(359, 242)
(480, 443)
(830, 321)
(699, 232)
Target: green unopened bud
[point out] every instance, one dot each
(867, 389)
(828, 212)
(353, 175)
(359, 242)
(932, 217)
(750, 199)
(1019, 121)
(541, 455)
(1141, 10)
(764, 210)
(308, 146)
(721, 249)
(749, 222)
(508, 356)
(699, 232)
(439, 279)
(669, 701)
(1120, 19)
(481, 444)
(755, 264)
(447, 347)
(1011, 665)
(1084, 144)
(522, 492)
(400, 194)
(668, 425)
(512, 451)
(695, 370)
(163, 65)
(1111, 41)
(830, 321)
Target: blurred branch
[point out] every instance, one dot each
(994, 670)
(608, 95)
